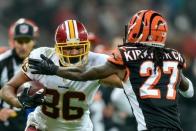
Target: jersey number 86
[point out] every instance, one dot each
(66, 107)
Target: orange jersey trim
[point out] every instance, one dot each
(116, 57)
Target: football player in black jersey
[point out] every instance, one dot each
(151, 74)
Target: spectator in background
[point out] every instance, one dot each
(96, 109)
(22, 37)
(122, 115)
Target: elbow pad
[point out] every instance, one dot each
(190, 92)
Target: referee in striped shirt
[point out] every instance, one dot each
(24, 34)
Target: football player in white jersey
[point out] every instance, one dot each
(66, 106)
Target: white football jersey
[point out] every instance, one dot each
(68, 101)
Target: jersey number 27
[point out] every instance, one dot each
(149, 89)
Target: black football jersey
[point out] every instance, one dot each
(151, 90)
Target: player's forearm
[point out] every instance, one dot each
(184, 83)
(69, 73)
(8, 95)
(78, 75)
(186, 87)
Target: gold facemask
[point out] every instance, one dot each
(68, 59)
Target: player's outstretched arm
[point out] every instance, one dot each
(47, 67)
(96, 72)
(186, 87)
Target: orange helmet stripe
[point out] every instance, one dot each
(142, 16)
(138, 28)
(146, 19)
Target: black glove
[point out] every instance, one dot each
(44, 66)
(31, 101)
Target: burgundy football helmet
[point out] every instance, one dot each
(72, 35)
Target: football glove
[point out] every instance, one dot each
(31, 101)
(44, 66)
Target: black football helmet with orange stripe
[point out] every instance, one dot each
(147, 27)
(72, 34)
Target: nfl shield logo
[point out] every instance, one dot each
(23, 29)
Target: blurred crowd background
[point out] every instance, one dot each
(105, 20)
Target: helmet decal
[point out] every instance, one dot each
(71, 29)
